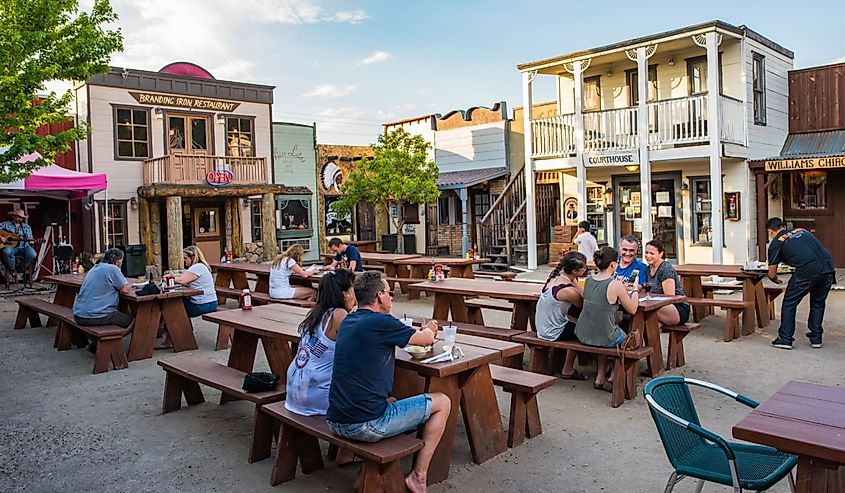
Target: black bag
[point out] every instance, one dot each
(148, 290)
(260, 381)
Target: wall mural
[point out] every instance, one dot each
(331, 176)
(337, 224)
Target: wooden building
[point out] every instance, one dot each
(799, 184)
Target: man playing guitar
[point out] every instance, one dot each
(23, 247)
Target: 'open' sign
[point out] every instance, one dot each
(219, 177)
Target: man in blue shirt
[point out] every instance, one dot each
(23, 247)
(628, 261)
(96, 303)
(362, 378)
(345, 255)
(814, 274)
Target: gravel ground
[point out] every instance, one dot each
(64, 429)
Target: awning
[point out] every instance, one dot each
(464, 179)
(56, 182)
(808, 151)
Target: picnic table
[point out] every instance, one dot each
(148, 310)
(418, 267)
(364, 245)
(645, 320)
(233, 275)
(808, 420)
(449, 296)
(752, 290)
(467, 381)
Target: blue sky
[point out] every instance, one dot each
(350, 65)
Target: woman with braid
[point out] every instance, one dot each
(560, 299)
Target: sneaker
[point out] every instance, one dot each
(816, 345)
(780, 344)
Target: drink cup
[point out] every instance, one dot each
(717, 279)
(449, 334)
(407, 321)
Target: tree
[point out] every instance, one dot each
(400, 174)
(40, 41)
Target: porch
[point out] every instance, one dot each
(198, 169)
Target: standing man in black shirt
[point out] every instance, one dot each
(813, 274)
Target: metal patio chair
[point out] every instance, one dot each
(699, 453)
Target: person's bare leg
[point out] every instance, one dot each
(432, 432)
(569, 363)
(602, 369)
(668, 315)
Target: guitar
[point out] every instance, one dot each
(10, 238)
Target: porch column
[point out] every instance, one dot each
(462, 193)
(714, 131)
(174, 232)
(581, 169)
(146, 229)
(530, 205)
(268, 226)
(642, 131)
(155, 214)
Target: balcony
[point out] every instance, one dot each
(193, 169)
(671, 122)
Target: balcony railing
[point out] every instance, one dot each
(679, 121)
(193, 169)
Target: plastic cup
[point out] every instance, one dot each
(716, 279)
(407, 321)
(449, 334)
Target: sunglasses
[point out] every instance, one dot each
(387, 292)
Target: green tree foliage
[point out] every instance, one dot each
(40, 41)
(400, 174)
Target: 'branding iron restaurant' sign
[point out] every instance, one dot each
(806, 163)
(184, 101)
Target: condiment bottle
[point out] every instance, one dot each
(246, 299)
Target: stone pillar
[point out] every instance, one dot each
(268, 226)
(146, 228)
(155, 221)
(174, 232)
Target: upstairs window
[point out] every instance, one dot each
(758, 81)
(634, 87)
(132, 133)
(697, 75)
(240, 137)
(592, 93)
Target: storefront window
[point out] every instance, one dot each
(808, 190)
(206, 222)
(240, 137)
(116, 219)
(256, 218)
(132, 136)
(701, 207)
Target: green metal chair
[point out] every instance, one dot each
(700, 453)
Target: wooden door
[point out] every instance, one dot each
(365, 222)
(188, 134)
(207, 231)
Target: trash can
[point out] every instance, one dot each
(388, 243)
(135, 261)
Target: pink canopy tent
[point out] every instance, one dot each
(57, 182)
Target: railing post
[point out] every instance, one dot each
(715, 155)
(527, 111)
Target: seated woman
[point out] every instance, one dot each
(310, 373)
(560, 293)
(662, 279)
(284, 265)
(603, 294)
(198, 276)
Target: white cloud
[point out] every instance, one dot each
(839, 60)
(377, 57)
(350, 17)
(331, 91)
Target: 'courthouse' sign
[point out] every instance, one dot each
(184, 101)
(611, 158)
(806, 163)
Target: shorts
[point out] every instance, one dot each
(568, 333)
(683, 312)
(399, 417)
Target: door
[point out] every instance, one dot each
(207, 232)
(188, 134)
(365, 222)
(664, 209)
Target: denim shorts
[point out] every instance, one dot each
(399, 417)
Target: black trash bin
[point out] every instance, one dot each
(388, 243)
(135, 261)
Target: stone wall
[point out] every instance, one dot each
(450, 235)
(254, 252)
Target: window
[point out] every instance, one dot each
(132, 133)
(808, 190)
(116, 219)
(697, 74)
(443, 209)
(758, 81)
(701, 206)
(592, 93)
(256, 218)
(410, 213)
(632, 76)
(481, 204)
(240, 137)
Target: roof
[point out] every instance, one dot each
(812, 145)
(468, 178)
(741, 30)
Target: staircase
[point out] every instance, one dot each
(502, 231)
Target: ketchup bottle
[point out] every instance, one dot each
(246, 300)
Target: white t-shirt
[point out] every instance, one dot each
(587, 244)
(280, 287)
(205, 282)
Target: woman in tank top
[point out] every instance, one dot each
(310, 373)
(555, 317)
(603, 294)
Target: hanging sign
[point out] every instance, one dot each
(593, 159)
(184, 101)
(219, 177)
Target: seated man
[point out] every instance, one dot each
(345, 256)
(96, 303)
(362, 379)
(22, 247)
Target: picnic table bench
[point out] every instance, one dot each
(474, 306)
(675, 352)
(524, 419)
(772, 293)
(298, 444)
(733, 309)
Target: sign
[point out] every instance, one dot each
(184, 101)
(595, 159)
(732, 206)
(219, 177)
(805, 163)
(570, 207)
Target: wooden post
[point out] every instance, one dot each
(174, 232)
(237, 238)
(146, 228)
(155, 220)
(268, 225)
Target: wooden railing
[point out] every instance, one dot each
(609, 130)
(678, 121)
(553, 136)
(192, 169)
(733, 117)
(494, 229)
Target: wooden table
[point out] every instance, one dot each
(147, 310)
(752, 290)
(467, 381)
(450, 293)
(645, 320)
(233, 275)
(364, 245)
(418, 267)
(807, 420)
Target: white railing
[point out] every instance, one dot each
(610, 129)
(678, 121)
(732, 128)
(553, 136)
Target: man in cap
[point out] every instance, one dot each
(22, 247)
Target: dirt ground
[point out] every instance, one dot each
(64, 429)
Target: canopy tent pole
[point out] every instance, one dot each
(106, 216)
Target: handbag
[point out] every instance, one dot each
(260, 381)
(149, 289)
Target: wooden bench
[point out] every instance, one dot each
(675, 352)
(524, 420)
(379, 268)
(298, 444)
(184, 373)
(624, 371)
(496, 333)
(261, 298)
(504, 276)
(109, 338)
(772, 293)
(733, 308)
(403, 282)
(474, 306)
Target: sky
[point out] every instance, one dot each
(351, 65)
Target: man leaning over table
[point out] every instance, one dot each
(814, 274)
(96, 303)
(345, 255)
(362, 380)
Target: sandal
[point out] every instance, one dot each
(575, 375)
(606, 386)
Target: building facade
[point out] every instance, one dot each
(295, 164)
(672, 165)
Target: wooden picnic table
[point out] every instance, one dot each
(645, 320)
(233, 275)
(449, 296)
(752, 290)
(467, 381)
(147, 310)
(418, 267)
(808, 420)
(365, 245)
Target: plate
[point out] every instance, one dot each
(418, 352)
(140, 284)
